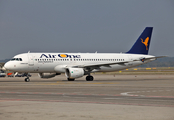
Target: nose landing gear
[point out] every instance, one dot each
(27, 75)
(27, 79)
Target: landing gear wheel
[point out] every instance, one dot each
(27, 80)
(89, 78)
(71, 79)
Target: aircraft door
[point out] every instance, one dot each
(30, 60)
(130, 59)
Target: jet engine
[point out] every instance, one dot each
(74, 72)
(48, 75)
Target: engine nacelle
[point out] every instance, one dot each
(74, 72)
(48, 75)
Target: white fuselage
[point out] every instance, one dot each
(57, 62)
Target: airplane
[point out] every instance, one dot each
(76, 65)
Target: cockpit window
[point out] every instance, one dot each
(12, 59)
(16, 59)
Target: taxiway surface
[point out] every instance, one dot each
(133, 97)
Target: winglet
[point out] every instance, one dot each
(142, 44)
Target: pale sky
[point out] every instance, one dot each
(84, 26)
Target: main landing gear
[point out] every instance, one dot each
(89, 78)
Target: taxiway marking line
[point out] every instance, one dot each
(121, 94)
(134, 94)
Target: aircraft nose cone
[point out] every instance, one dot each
(7, 66)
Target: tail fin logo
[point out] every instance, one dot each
(145, 42)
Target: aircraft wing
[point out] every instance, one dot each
(95, 66)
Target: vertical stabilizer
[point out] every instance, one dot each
(142, 44)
